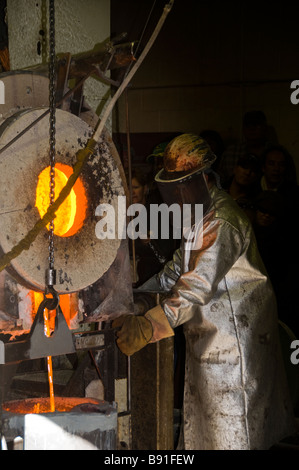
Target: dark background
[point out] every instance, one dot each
(211, 62)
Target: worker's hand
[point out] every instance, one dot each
(135, 333)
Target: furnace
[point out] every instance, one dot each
(46, 132)
(93, 280)
(79, 254)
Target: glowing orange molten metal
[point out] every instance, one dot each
(69, 219)
(71, 214)
(67, 303)
(42, 405)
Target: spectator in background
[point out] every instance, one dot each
(279, 252)
(269, 233)
(279, 171)
(243, 185)
(279, 174)
(278, 242)
(255, 133)
(139, 187)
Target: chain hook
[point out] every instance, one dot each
(51, 303)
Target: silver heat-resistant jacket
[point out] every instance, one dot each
(236, 396)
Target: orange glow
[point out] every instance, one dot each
(68, 304)
(49, 362)
(71, 214)
(42, 405)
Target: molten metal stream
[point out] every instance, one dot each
(69, 305)
(49, 363)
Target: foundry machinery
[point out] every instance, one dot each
(47, 128)
(93, 282)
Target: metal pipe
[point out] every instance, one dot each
(130, 178)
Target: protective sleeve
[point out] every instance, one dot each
(203, 269)
(171, 271)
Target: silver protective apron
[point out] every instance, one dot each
(236, 395)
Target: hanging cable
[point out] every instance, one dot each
(141, 37)
(145, 26)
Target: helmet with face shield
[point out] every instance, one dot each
(182, 179)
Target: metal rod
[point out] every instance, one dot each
(130, 178)
(129, 394)
(95, 364)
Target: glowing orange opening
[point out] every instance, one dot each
(67, 302)
(71, 214)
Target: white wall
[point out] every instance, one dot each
(79, 24)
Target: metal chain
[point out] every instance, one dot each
(50, 281)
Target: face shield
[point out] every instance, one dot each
(188, 194)
(182, 182)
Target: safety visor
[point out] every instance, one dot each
(184, 189)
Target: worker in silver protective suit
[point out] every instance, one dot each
(235, 395)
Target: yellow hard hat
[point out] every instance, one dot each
(185, 155)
